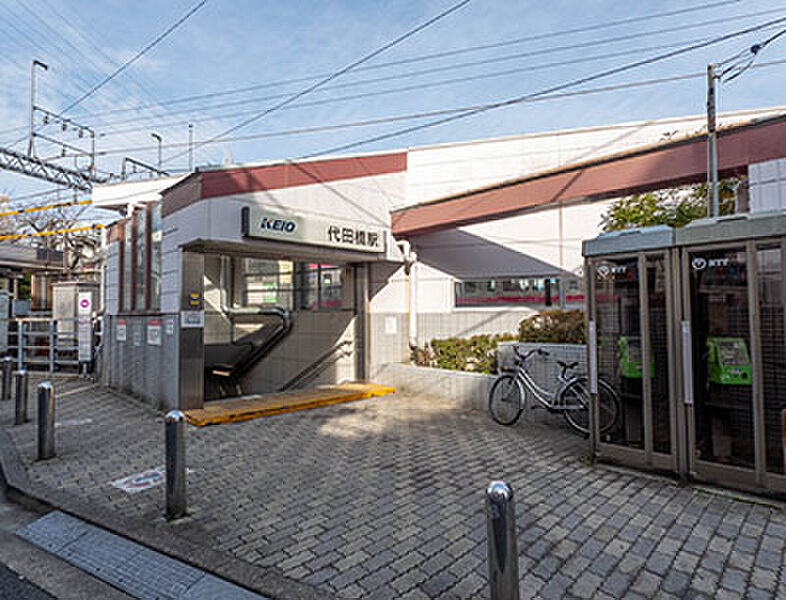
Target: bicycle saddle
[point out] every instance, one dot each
(568, 366)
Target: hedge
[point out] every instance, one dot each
(479, 352)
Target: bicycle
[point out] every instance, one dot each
(508, 396)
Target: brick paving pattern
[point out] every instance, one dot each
(384, 499)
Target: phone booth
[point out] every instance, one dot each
(733, 349)
(630, 278)
(687, 326)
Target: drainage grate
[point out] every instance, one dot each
(126, 565)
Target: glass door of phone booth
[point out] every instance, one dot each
(733, 341)
(632, 308)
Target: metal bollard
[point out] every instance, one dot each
(46, 420)
(20, 345)
(503, 555)
(20, 381)
(174, 430)
(8, 366)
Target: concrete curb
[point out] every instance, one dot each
(263, 580)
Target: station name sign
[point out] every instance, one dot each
(258, 222)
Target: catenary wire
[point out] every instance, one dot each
(549, 50)
(402, 89)
(336, 74)
(549, 90)
(427, 114)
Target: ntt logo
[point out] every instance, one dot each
(278, 225)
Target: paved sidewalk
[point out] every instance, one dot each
(383, 498)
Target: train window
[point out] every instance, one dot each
(530, 291)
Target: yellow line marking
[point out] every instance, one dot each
(254, 407)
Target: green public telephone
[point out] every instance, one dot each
(728, 362)
(630, 357)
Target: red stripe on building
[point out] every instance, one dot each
(243, 180)
(667, 165)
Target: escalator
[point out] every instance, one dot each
(254, 332)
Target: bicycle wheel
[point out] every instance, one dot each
(575, 401)
(506, 400)
(608, 406)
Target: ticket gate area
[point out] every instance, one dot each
(689, 330)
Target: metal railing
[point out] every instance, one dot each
(315, 369)
(45, 344)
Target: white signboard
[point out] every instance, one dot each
(154, 332)
(192, 319)
(137, 335)
(390, 326)
(84, 333)
(84, 303)
(169, 326)
(121, 333)
(258, 222)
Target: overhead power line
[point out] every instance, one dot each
(549, 90)
(33, 209)
(540, 51)
(338, 73)
(132, 60)
(19, 236)
(401, 89)
(136, 56)
(425, 114)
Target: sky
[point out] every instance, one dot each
(488, 51)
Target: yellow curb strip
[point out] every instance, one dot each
(230, 411)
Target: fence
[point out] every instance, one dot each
(41, 343)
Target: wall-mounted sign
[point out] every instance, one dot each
(84, 303)
(154, 332)
(169, 326)
(84, 334)
(121, 331)
(192, 319)
(258, 222)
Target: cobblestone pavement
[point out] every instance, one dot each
(384, 499)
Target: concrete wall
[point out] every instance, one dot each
(767, 182)
(469, 391)
(544, 370)
(141, 369)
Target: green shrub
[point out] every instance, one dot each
(554, 327)
(479, 352)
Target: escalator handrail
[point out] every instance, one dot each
(248, 361)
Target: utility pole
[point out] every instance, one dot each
(712, 145)
(157, 138)
(190, 147)
(36, 63)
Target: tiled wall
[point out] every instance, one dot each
(313, 334)
(135, 367)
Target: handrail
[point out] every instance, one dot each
(239, 369)
(255, 355)
(315, 368)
